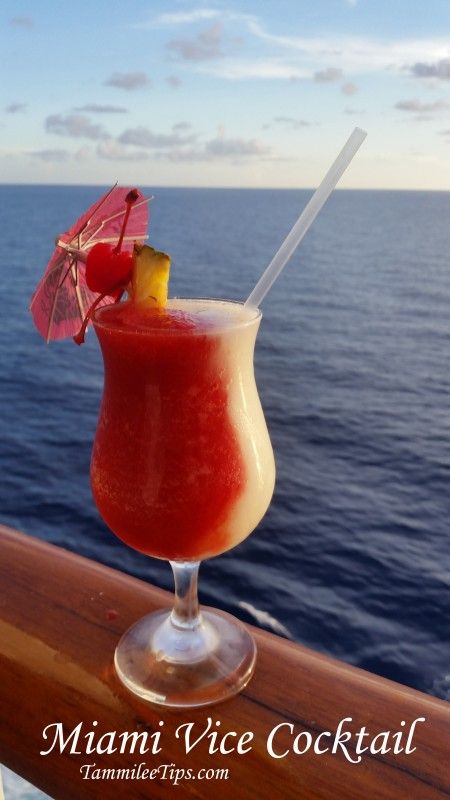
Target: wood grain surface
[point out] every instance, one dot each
(60, 618)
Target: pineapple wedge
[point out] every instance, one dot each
(150, 278)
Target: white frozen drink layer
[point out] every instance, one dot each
(236, 326)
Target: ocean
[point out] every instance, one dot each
(353, 369)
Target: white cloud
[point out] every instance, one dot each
(185, 17)
(292, 57)
(307, 58)
(174, 146)
(439, 69)
(14, 108)
(328, 75)
(207, 44)
(144, 137)
(22, 22)
(293, 122)
(182, 126)
(417, 107)
(112, 150)
(179, 18)
(263, 68)
(222, 148)
(357, 53)
(95, 108)
(74, 125)
(129, 81)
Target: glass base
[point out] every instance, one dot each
(183, 666)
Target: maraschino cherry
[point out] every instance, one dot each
(108, 269)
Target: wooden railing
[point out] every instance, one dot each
(60, 618)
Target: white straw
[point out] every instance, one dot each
(307, 217)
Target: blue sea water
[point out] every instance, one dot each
(353, 367)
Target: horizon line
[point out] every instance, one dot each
(231, 188)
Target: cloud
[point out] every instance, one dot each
(186, 17)
(439, 69)
(129, 81)
(354, 111)
(349, 88)
(291, 57)
(257, 69)
(297, 58)
(204, 46)
(176, 147)
(293, 122)
(22, 22)
(222, 149)
(50, 155)
(354, 52)
(181, 126)
(328, 75)
(144, 137)
(14, 108)
(417, 107)
(174, 81)
(112, 150)
(95, 108)
(74, 125)
(196, 15)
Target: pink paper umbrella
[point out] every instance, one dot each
(62, 298)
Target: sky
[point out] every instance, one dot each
(249, 93)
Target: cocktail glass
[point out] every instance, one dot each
(182, 469)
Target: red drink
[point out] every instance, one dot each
(182, 466)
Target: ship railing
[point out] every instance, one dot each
(63, 709)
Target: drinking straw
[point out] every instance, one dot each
(307, 217)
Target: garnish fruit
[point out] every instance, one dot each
(107, 269)
(150, 279)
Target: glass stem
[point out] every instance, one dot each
(186, 611)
